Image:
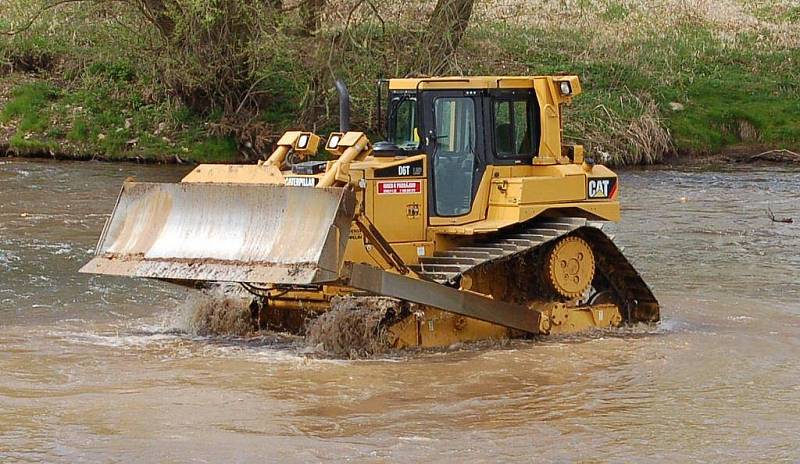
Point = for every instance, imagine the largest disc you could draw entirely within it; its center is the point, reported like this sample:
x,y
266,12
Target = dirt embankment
x,y
739,154
7,129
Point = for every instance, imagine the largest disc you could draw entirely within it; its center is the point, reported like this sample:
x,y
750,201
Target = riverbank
x,y
42,116
689,80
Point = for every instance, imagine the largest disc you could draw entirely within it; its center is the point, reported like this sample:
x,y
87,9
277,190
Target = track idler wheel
x,y
570,267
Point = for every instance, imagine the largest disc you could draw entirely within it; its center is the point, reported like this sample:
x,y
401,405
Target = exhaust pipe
x,y
344,106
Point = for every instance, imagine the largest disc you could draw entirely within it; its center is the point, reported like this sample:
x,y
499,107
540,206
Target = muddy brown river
x,y
103,369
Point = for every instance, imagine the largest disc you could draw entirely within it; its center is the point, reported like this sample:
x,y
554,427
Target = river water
x,y
103,369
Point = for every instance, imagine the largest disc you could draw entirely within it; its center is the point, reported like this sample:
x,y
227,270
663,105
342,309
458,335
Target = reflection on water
x,y
102,369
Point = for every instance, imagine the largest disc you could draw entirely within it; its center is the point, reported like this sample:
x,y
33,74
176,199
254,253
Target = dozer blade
x,y
226,233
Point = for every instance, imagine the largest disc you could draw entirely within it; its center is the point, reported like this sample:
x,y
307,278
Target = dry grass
x,y
625,21
619,140
614,21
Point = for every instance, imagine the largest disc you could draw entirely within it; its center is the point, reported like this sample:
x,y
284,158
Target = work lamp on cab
x,y
566,88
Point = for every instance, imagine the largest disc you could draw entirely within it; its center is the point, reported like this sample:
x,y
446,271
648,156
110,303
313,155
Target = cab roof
x,y
473,82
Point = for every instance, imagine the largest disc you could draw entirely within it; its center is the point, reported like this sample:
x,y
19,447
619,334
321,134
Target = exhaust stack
x,y
344,106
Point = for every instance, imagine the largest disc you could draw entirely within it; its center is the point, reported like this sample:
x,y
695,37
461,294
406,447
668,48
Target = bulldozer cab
x,y
463,131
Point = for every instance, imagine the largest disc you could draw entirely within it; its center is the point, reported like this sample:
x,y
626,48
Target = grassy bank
x,y
660,77
103,120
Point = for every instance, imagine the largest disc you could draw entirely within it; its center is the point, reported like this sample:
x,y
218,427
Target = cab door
x,y
455,144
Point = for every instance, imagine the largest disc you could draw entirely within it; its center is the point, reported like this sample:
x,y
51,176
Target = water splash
x,y
354,327
220,311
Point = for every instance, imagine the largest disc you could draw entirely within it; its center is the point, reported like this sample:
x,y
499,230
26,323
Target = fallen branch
x,y
777,155
785,220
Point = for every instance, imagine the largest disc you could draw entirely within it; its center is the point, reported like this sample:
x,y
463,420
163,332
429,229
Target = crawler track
x,y
520,249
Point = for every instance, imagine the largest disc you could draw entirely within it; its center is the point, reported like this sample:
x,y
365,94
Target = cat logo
x,y
602,188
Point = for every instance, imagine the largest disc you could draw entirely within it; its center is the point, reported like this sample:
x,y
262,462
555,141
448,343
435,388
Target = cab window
x,y
513,128
403,123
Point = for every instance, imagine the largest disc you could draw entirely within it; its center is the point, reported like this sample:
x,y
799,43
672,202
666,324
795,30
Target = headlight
x,y
302,142
333,142
566,88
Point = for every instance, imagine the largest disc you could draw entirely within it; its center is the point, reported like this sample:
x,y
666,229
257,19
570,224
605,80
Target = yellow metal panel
x,y
234,174
399,216
550,140
357,252
350,139
557,170
600,171
289,138
411,251
371,164
607,210
400,208
434,328
553,189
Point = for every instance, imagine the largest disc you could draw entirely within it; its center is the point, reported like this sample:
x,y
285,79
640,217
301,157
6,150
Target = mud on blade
x,y
226,232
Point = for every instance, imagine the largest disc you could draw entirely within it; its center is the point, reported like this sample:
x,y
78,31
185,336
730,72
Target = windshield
x,y
403,123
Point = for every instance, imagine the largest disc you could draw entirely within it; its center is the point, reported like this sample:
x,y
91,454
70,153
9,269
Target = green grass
x,y
107,117
29,104
212,150
716,105
615,12
32,146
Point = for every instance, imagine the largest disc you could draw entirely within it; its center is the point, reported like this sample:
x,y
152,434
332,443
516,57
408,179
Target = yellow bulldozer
x,y
473,220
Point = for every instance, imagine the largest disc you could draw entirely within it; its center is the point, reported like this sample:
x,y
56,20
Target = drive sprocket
x,y
570,267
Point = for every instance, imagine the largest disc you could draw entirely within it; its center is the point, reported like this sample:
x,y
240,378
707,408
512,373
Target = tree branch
x,y
37,15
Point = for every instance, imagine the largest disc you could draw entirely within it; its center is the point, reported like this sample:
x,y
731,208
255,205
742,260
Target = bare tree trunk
x,y
446,27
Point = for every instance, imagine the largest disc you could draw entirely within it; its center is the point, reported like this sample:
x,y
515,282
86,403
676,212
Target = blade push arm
x,y
351,146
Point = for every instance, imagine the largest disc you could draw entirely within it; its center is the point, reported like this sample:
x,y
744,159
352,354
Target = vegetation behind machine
x,y
692,77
